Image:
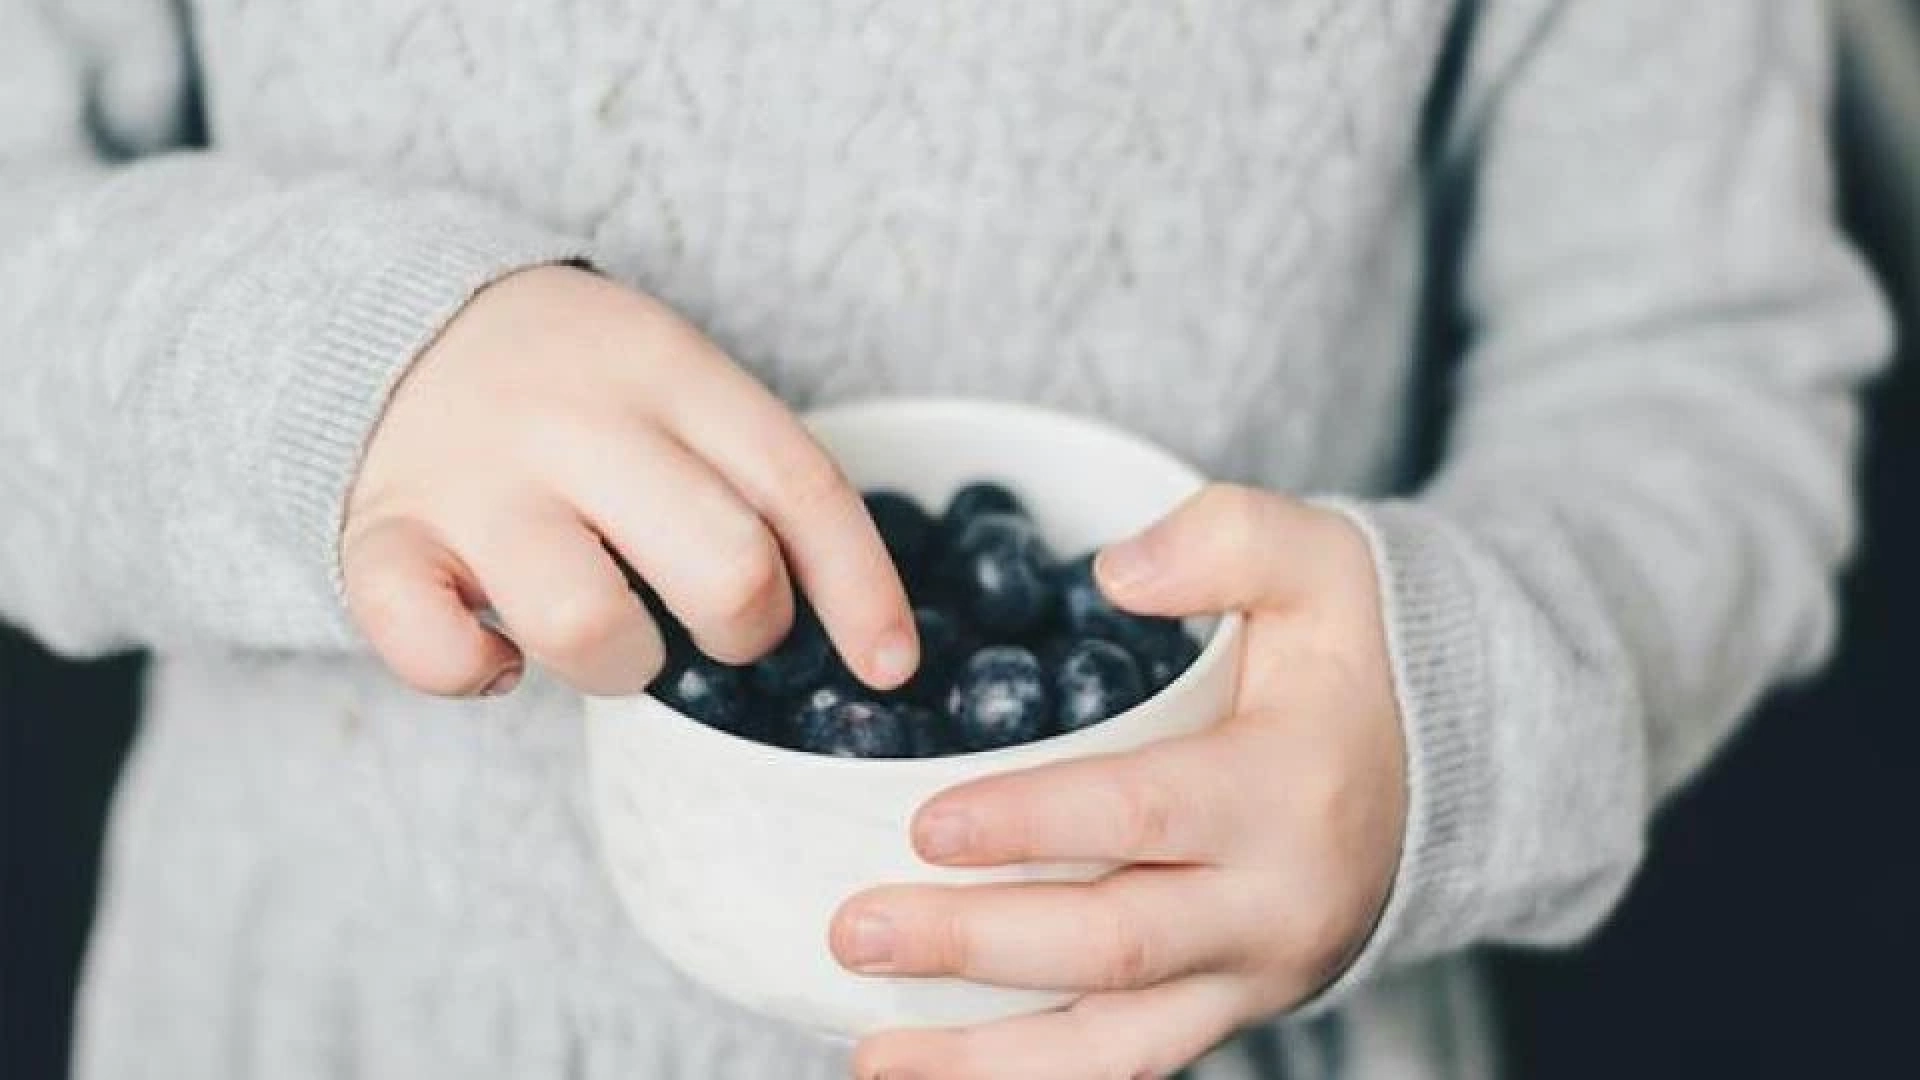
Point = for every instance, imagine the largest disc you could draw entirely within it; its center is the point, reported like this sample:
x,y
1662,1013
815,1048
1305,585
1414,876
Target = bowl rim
x,y
1026,411
1223,637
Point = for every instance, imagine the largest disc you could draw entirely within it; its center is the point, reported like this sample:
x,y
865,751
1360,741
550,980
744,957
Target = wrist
x,y
1431,634
419,261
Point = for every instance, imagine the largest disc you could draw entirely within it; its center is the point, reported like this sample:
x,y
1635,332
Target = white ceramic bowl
x,y
731,855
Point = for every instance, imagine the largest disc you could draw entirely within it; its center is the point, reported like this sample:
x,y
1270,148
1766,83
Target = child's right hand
x,y
559,409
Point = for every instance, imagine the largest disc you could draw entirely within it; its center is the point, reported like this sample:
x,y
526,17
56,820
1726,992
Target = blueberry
x,y
805,659
710,692
999,575
853,728
1095,680
999,699
826,696
981,497
929,733
1164,649
945,643
1052,648
806,710
907,530
1136,632
1081,600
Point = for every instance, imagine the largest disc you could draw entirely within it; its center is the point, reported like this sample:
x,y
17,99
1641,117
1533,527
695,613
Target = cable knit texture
x,y
228,225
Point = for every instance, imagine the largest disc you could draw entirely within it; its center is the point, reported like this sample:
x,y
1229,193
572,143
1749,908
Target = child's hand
x,y
559,410
1262,850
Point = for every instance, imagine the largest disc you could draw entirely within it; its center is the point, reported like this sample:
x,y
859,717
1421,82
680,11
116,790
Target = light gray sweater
x,y
1239,227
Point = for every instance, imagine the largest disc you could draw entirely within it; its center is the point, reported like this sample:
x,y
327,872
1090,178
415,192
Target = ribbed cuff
x,y
1435,641
440,251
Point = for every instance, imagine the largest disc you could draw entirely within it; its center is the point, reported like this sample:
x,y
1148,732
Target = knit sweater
x,y
1248,229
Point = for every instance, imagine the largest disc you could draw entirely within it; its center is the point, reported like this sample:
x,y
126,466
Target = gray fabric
x,y
1205,222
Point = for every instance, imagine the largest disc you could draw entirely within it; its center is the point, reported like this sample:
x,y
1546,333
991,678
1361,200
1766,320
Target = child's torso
x,y
1196,219
1201,220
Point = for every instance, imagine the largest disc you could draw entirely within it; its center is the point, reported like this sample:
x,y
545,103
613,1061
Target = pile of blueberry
x,y
1015,646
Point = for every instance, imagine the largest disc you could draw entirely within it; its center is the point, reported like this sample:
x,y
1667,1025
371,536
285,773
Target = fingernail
x,y
503,683
870,941
943,834
895,659
1126,563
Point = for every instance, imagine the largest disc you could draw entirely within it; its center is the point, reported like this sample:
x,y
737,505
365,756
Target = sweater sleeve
x,y
1646,494
192,351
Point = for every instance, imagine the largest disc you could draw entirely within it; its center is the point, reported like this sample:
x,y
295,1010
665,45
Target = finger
x,y
564,601
830,542
1171,802
1132,929
685,531
406,592
1228,548
1142,1033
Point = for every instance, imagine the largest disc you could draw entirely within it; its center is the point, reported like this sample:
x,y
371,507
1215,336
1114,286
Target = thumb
x,y
1227,548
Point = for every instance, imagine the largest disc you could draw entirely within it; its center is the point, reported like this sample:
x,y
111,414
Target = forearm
x,y
1647,493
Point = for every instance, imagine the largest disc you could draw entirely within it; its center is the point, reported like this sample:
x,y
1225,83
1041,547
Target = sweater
x,y
1595,240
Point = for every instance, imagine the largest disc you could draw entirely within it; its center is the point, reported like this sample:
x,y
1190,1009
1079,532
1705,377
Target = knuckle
x,y
810,481
1233,514
1148,811
750,578
1128,953
573,624
950,943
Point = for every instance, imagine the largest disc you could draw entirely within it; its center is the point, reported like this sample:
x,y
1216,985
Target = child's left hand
x,y
1260,851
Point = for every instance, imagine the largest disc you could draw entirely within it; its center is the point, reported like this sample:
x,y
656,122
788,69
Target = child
x,y
455,293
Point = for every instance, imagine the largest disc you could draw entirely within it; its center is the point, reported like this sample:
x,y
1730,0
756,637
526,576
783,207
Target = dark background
x,y
1772,932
